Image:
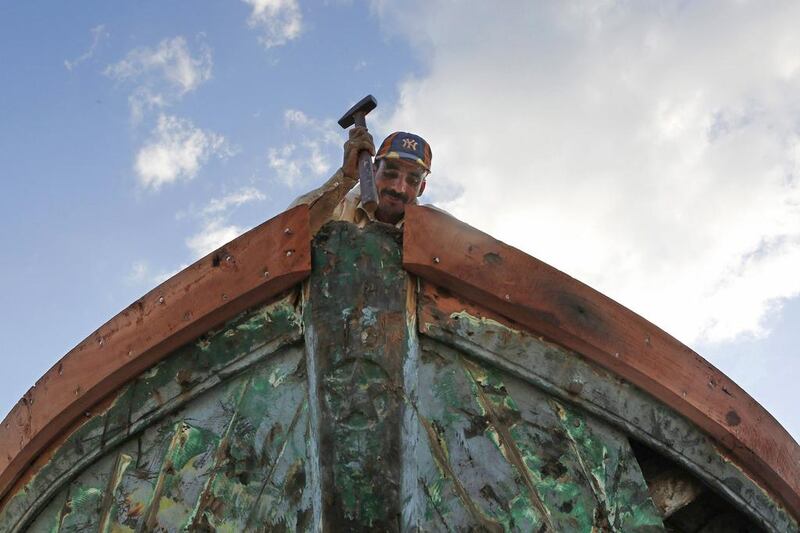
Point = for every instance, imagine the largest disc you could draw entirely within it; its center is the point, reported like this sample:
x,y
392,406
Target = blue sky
x,y
651,150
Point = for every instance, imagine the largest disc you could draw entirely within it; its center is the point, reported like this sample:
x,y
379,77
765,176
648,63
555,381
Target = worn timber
x,y
548,302
387,383
356,336
568,377
222,416
250,269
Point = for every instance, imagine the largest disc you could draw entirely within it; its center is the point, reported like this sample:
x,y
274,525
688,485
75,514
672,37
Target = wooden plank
x,y
185,464
252,268
195,370
259,475
356,340
470,263
505,456
232,459
566,376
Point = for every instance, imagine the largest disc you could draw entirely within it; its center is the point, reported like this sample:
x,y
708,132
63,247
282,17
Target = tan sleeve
x,y
323,200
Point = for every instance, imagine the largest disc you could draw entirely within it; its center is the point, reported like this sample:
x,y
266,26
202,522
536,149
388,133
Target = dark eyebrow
x,y
391,166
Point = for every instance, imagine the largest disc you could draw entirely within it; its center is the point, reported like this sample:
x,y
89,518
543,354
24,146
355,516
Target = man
x,y
401,166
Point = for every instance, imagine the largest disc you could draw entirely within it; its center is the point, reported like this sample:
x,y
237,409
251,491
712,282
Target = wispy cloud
x,y
234,199
640,147
215,229
214,233
278,21
171,60
141,273
310,154
176,151
286,164
98,34
162,74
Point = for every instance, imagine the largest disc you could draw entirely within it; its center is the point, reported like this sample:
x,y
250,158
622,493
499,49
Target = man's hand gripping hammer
x,y
356,116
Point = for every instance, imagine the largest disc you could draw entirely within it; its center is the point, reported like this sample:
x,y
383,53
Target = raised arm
x,y
323,200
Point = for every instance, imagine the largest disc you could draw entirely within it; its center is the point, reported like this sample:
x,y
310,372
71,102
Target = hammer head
x,y
358,111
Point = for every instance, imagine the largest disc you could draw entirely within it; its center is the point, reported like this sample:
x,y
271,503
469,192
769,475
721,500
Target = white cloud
x,y
139,272
215,233
285,164
644,148
163,276
176,150
234,199
142,274
279,21
295,117
215,229
162,74
98,34
170,60
309,156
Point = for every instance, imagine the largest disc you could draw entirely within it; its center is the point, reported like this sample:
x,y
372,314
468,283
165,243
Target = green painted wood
x,y
199,385
568,378
259,477
356,335
521,462
231,460
350,419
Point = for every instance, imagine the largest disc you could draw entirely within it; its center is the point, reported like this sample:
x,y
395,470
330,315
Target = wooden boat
x,y
424,379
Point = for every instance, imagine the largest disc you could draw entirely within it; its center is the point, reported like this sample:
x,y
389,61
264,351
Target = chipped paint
x,y
244,465
590,391
356,312
396,415
108,507
141,423
500,451
412,498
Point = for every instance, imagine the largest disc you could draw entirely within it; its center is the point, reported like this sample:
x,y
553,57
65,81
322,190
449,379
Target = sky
x,y
650,149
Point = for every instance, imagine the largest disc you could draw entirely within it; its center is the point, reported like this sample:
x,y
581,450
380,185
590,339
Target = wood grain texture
x,y
569,378
252,268
196,369
504,456
232,459
449,253
356,331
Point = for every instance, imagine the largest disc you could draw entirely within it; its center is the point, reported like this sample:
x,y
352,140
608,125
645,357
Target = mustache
x,y
396,195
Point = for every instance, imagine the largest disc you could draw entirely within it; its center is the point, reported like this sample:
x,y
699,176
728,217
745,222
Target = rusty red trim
x,y
252,268
453,255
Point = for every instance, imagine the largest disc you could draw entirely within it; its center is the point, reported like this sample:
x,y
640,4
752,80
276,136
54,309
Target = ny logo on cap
x,y
410,144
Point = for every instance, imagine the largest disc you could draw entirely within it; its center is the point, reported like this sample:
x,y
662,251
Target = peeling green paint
x,y
109,509
196,388
243,465
516,467
355,316
369,426
610,402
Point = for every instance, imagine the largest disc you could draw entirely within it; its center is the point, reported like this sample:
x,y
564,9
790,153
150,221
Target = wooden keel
x,y
356,335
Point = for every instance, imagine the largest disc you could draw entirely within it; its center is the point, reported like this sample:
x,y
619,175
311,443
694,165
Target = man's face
x,y
399,183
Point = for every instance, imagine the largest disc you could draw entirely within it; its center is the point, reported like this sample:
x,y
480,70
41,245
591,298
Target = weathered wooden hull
x,y
369,399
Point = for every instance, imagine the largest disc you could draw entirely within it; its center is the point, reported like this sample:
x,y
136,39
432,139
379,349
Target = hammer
x,y
355,116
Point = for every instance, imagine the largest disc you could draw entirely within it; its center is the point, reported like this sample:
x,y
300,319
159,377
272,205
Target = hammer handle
x,y
366,177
